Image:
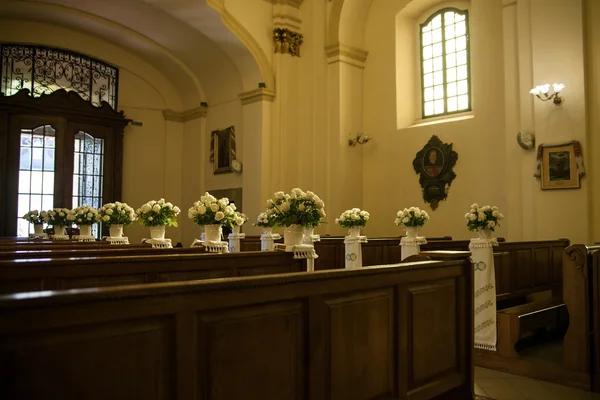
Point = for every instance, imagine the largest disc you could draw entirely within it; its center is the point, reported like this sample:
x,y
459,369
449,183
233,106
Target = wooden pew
x,y
390,332
22,275
103,251
581,294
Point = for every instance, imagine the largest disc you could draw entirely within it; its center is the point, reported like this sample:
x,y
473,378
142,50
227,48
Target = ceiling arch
x,y
196,64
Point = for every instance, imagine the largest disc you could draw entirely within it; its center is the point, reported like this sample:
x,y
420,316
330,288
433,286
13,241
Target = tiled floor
x,y
503,386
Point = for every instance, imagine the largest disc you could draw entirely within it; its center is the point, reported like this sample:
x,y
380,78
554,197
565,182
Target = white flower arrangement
x,y
239,219
412,216
297,208
265,220
35,217
60,217
485,217
85,215
353,217
116,213
158,213
210,211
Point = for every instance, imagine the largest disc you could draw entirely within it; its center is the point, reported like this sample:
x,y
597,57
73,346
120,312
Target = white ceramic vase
x,y
157,232
293,235
85,230
236,229
412,232
116,230
38,229
354,231
213,233
59,230
484,233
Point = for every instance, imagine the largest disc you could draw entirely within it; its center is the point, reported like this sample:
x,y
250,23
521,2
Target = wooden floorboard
x,y
541,370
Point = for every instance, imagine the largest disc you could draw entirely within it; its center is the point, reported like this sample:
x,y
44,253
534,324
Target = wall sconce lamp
x,y
542,92
359,139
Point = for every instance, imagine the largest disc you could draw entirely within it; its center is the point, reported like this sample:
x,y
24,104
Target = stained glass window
x,y
44,70
36,173
445,63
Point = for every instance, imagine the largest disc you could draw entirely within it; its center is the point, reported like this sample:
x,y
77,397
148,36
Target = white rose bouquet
x,y
60,217
239,219
353,217
35,217
116,213
85,215
265,220
412,216
158,213
210,211
297,208
485,217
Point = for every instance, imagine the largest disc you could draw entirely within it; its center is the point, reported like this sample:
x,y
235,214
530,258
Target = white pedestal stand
x,y
116,240
353,254
234,239
301,252
38,236
159,243
411,246
310,237
485,293
84,238
59,237
267,239
212,246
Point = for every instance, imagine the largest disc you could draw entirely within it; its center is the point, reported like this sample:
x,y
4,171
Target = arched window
x,y
445,69
61,149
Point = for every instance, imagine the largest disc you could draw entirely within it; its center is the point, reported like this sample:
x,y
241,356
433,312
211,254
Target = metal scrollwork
x,y
44,70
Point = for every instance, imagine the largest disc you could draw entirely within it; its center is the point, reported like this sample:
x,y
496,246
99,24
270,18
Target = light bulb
x,y
535,90
558,87
545,88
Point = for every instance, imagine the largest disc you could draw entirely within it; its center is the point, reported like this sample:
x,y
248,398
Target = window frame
x,y
441,12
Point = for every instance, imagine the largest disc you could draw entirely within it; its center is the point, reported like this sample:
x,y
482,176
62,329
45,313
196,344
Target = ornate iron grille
x,y
44,70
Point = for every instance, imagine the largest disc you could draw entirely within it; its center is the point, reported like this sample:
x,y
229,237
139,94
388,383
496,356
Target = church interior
x,y
413,111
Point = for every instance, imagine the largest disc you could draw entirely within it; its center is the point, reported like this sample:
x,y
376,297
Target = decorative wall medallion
x,y
434,163
286,41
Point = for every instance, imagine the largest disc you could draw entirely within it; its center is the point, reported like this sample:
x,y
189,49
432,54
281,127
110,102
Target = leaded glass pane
x,y
444,42
36,173
88,172
44,70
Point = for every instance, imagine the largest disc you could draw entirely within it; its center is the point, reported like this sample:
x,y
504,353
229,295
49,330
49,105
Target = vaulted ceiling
x,y
185,39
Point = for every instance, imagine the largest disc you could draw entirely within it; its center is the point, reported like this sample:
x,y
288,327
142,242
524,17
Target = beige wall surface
x,y
359,72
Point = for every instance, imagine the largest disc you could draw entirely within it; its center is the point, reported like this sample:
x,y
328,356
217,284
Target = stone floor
x,y
503,386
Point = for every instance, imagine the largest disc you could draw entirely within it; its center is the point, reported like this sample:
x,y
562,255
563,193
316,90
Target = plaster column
x,y
258,166
345,95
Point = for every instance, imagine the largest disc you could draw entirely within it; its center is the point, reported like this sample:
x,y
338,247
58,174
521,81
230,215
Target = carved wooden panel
x,y
542,266
522,269
502,272
101,281
432,339
192,275
253,271
94,362
373,255
361,335
241,347
329,256
22,285
557,266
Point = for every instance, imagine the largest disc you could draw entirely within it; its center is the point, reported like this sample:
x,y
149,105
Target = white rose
x,y
228,210
214,207
495,213
109,211
239,221
146,208
319,204
467,216
342,218
366,217
302,207
219,216
472,217
105,218
201,210
321,212
405,220
150,218
285,206
480,216
418,214
156,208
491,224
224,202
176,209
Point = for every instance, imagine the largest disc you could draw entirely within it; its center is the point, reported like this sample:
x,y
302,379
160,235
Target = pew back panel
x,y
380,332
84,272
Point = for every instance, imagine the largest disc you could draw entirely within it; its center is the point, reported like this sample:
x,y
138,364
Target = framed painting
x,y
434,164
560,165
222,150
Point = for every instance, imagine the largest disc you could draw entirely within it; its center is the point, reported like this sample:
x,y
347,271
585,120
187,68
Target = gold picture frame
x,y
222,150
561,166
